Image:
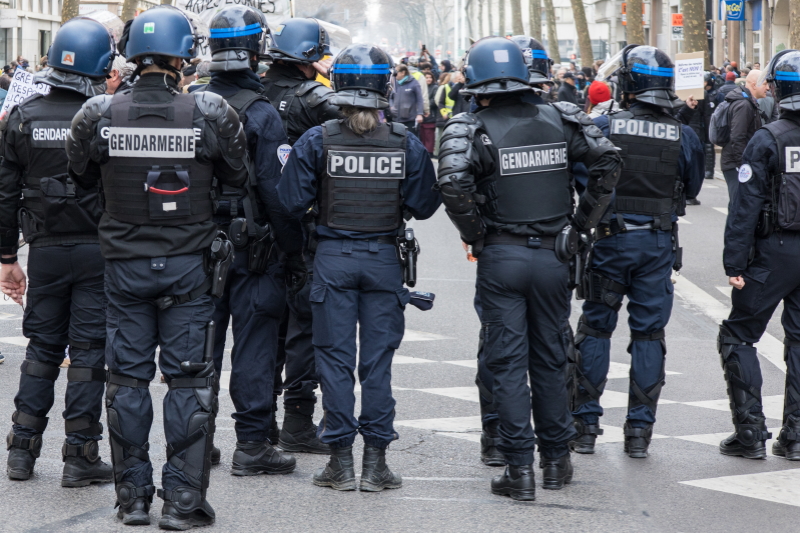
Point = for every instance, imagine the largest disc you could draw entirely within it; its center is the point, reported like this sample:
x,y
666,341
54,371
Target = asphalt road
x,y
685,484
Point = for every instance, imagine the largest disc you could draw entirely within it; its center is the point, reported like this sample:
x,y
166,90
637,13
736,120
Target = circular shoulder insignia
x,y
711,105
283,153
745,173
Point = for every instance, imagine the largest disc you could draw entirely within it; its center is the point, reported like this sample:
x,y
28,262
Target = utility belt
x,y
565,245
259,241
617,225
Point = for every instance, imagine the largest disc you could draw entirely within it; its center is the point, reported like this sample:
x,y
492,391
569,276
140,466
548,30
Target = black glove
x,y
297,273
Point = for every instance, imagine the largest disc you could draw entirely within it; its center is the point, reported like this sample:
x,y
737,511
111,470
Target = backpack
x,y
719,131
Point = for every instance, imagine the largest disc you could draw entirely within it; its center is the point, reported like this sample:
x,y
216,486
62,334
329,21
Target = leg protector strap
x,y
89,449
83,426
36,423
190,470
86,373
127,493
584,331
39,370
602,289
658,335
645,433
33,444
791,401
125,381
94,345
190,383
186,500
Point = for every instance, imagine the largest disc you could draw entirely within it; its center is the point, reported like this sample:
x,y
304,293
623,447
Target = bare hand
x,y
419,119
736,282
691,102
323,66
13,282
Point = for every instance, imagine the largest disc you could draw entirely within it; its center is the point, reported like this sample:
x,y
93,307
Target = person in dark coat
x,y
567,91
427,130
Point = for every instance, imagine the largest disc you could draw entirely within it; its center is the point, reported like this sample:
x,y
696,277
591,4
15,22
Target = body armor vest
x,y
650,146
361,189
55,210
153,177
531,182
289,95
786,182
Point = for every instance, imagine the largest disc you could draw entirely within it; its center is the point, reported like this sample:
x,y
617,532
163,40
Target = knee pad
x,y
658,335
584,331
120,446
602,289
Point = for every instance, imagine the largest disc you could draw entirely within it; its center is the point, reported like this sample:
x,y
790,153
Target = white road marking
x,y
683,220
16,341
460,393
407,360
444,478
468,363
461,424
622,370
782,486
773,405
725,290
413,335
713,439
614,434
723,210
472,437
710,187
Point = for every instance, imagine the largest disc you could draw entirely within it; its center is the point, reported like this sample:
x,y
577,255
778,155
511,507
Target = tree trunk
x,y
489,9
166,2
69,9
694,27
634,31
582,28
552,38
535,15
516,17
128,10
794,25
502,17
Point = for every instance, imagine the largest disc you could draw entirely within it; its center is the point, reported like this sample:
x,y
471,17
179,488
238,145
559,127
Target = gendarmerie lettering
x,y
534,158
148,142
645,128
387,165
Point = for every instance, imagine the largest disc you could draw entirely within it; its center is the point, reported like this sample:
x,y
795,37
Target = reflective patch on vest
x,y
151,142
645,128
535,158
380,165
49,133
792,159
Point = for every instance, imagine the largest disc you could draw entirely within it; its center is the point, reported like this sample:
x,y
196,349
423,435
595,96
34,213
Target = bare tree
x,y
634,31
582,29
129,9
694,27
166,2
552,38
535,18
794,24
516,17
69,9
502,16
490,9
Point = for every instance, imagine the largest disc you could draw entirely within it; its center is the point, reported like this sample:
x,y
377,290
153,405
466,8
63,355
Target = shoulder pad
x,y
211,105
463,125
318,95
566,108
455,148
399,128
464,118
308,86
332,127
92,111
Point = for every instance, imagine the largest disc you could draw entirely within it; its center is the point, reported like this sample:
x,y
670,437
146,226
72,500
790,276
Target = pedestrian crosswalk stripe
x,y
713,439
457,424
16,341
773,405
413,336
723,210
782,486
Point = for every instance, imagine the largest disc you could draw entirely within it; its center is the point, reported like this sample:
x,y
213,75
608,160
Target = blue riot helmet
x,y
360,76
495,65
164,31
783,76
535,57
236,33
299,41
82,46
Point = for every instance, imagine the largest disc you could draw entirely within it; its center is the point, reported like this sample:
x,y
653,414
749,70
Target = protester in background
x,y
567,91
5,83
407,102
444,106
427,132
118,80
600,101
189,76
728,86
447,66
460,104
203,76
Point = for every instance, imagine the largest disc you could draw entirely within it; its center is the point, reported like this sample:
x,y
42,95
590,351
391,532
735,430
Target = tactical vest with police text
x,y
650,146
153,177
531,182
786,183
361,189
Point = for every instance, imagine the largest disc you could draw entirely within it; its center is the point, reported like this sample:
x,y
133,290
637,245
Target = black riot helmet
x,y
301,40
495,65
535,57
644,71
709,78
360,76
236,33
783,76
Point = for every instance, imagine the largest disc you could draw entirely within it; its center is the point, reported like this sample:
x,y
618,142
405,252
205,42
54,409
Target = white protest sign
x,y
21,87
204,10
689,74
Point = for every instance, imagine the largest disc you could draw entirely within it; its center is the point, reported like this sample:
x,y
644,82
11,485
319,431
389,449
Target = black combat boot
x,y
339,473
83,466
184,508
587,435
375,474
252,458
637,440
490,455
22,454
518,482
134,503
556,472
748,441
788,443
299,435
274,430
216,455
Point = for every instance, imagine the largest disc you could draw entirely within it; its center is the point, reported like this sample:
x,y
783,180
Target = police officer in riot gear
x,y
762,237
298,47
59,219
157,152
636,245
365,177
256,291
504,177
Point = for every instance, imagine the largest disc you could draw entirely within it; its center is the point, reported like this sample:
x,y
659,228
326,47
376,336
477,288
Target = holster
x,y
408,250
676,247
221,257
260,249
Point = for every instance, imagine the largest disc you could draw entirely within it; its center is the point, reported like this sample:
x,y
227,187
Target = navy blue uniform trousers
x,y
66,302
357,283
254,303
135,327
525,298
301,369
641,260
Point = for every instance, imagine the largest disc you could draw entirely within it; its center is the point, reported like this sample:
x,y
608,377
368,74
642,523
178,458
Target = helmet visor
x,y
767,73
608,68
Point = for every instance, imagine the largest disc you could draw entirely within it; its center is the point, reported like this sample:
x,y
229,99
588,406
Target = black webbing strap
x,y
36,423
83,426
180,464
86,373
132,449
743,411
51,347
650,398
167,301
190,383
793,396
733,341
39,370
125,381
591,332
97,345
655,336
645,433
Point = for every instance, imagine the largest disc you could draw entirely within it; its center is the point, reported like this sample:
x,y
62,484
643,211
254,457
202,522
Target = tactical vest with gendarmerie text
x,y
786,183
531,182
153,177
362,187
650,146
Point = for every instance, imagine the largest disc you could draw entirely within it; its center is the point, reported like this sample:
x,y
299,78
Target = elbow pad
x,y
455,149
591,210
82,131
225,125
609,180
460,207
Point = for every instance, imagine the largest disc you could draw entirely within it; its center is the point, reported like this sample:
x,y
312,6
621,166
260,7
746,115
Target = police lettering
x,y
645,128
792,159
386,165
535,158
151,142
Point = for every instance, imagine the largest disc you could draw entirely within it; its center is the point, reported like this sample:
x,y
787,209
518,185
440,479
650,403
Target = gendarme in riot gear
x,y
539,64
58,218
156,151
